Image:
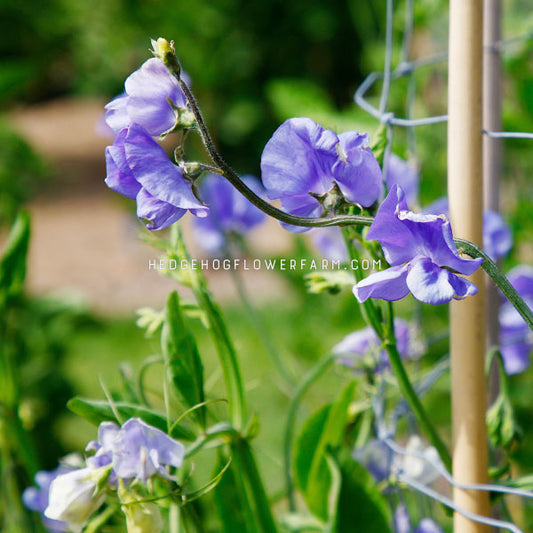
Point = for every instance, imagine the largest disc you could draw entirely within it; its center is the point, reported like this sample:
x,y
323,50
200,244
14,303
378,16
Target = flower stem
x,y
245,460
490,267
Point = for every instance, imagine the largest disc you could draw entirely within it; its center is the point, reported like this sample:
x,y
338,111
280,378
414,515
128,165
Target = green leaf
x,y
227,500
182,359
13,261
361,506
97,411
322,431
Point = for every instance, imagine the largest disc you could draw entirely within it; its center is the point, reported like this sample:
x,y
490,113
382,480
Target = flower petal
x,y
298,159
158,213
151,167
149,88
429,283
357,171
389,284
398,242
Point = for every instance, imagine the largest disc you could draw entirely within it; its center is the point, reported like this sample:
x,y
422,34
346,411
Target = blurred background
x,y
252,65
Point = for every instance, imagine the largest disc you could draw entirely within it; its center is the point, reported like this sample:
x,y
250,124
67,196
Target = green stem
x,y
306,382
226,351
414,403
490,267
243,456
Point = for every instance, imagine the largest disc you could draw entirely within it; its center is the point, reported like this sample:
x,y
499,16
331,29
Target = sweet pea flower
x,y
423,257
73,498
330,243
229,211
405,175
150,98
143,517
415,467
137,450
402,523
497,236
37,498
376,457
309,169
365,343
137,167
516,339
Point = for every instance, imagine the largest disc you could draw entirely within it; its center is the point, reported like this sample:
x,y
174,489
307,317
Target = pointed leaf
x,y
97,411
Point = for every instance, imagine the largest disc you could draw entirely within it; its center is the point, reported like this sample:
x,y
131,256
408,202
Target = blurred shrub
x,y
21,170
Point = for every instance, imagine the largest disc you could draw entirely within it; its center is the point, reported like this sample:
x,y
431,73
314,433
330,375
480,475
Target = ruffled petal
x,y
429,283
357,171
399,243
298,158
149,88
151,167
158,213
389,284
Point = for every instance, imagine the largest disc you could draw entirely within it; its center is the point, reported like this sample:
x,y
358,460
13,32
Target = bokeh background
x,y
252,65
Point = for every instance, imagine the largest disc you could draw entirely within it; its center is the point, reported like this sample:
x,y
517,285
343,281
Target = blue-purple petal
x,y
429,283
357,171
157,213
389,284
298,159
116,113
151,167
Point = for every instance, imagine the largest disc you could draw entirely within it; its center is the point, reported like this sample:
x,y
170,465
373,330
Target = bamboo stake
x,y
467,318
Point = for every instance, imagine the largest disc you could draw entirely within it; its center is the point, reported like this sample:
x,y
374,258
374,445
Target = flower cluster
x,y
137,166
422,253
312,170
68,496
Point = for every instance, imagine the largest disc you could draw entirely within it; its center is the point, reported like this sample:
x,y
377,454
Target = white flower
x,y
415,467
73,498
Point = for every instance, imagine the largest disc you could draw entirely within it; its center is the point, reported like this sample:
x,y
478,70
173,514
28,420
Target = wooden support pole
x,y
467,318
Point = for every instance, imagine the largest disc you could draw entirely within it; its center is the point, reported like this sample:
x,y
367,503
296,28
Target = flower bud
x,y
73,498
143,518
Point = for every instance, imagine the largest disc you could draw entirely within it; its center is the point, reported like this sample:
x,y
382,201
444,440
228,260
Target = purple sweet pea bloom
x,y
402,522
37,498
497,236
137,167
146,100
516,339
303,161
330,243
403,174
422,255
376,457
365,342
229,211
137,450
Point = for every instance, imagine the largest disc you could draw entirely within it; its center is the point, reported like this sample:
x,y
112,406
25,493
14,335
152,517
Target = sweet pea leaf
x,y
227,501
182,359
97,411
323,430
361,506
